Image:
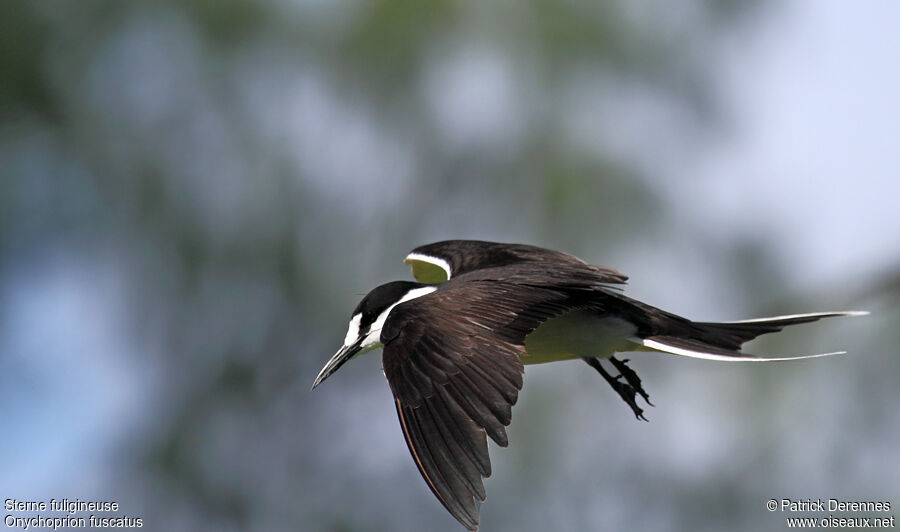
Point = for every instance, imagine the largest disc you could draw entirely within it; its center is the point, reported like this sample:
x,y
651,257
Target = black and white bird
x,y
456,341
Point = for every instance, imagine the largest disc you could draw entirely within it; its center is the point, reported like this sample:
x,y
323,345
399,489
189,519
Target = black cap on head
x,y
381,298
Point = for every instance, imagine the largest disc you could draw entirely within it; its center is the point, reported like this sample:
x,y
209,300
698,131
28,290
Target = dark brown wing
x,y
452,361
467,256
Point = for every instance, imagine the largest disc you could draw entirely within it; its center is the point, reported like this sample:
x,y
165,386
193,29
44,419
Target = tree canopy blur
x,y
194,195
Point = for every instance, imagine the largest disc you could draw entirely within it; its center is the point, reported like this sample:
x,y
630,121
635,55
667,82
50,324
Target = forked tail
x,y
722,341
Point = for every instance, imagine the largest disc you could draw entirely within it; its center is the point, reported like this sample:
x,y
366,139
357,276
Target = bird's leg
x,y
631,377
625,390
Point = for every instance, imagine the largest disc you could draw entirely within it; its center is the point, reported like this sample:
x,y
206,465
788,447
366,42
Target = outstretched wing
x,y
440,261
452,361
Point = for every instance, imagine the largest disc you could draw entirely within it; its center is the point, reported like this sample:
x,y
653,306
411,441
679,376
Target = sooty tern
x,y
455,344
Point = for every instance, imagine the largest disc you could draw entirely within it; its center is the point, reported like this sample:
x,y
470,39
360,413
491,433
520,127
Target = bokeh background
x,y
194,195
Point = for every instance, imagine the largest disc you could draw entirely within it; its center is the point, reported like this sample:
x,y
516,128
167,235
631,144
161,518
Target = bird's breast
x,y
579,333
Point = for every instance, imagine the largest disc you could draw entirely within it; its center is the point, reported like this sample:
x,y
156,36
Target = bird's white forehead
x,y
353,329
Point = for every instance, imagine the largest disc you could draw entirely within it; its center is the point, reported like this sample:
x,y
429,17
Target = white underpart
x,y
352,330
808,315
373,337
439,262
659,346
579,333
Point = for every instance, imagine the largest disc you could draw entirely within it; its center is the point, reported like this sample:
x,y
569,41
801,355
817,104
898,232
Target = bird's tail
x,y
722,341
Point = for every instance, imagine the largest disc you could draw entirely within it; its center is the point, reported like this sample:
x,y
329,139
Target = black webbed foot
x,y
627,390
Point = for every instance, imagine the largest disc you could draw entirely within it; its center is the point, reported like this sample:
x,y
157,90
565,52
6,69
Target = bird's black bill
x,y
343,355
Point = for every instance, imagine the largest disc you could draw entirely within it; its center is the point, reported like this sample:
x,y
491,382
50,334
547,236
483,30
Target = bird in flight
x,y
455,344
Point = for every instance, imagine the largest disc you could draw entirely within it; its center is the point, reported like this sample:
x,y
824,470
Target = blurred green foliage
x,y
244,170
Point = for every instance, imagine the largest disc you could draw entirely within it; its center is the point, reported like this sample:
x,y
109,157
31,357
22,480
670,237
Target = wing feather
x,y
449,259
452,361
452,450
475,443
419,432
